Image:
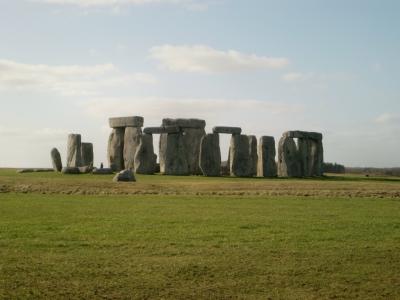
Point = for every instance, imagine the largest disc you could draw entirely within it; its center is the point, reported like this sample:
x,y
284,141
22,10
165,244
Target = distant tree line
x,y
375,171
334,168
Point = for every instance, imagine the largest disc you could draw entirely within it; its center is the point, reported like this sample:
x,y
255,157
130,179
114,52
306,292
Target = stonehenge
x,y
302,159
186,149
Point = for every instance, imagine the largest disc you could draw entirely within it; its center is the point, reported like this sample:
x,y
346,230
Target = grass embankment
x,y
183,242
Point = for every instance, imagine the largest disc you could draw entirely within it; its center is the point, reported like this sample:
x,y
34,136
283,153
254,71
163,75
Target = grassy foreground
x,y
180,242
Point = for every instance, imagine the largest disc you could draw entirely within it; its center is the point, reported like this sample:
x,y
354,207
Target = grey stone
x,y
56,160
227,130
210,155
87,154
85,169
225,171
266,166
192,140
70,170
134,121
161,130
103,171
125,176
74,158
240,159
173,159
303,135
253,154
145,158
21,171
36,170
132,139
288,158
116,149
185,123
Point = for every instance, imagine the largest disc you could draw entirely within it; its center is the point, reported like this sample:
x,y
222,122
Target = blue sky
x,y
267,66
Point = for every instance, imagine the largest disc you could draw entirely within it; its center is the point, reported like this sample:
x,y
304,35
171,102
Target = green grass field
x,y
198,238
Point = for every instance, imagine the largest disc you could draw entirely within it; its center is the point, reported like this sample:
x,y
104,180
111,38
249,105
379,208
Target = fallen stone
x,y
227,130
185,123
56,160
25,171
161,130
253,154
125,176
85,169
132,139
116,149
36,170
103,171
74,158
70,170
145,158
210,155
122,122
173,159
266,166
87,154
288,158
240,158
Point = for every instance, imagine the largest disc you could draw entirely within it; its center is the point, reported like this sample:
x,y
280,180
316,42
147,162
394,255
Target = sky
x,y
66,66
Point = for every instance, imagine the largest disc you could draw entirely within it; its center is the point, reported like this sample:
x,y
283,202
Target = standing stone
x,y
253,154
56,160
87,154
74,158
116,149
193,131
319,159
131,143
173,159
288,158
240,160
210,155
145,158
266,157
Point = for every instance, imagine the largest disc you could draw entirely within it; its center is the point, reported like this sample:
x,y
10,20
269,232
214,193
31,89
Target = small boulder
x,y
70,170
125,176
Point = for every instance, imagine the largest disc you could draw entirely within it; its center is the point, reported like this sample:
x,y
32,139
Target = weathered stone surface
x,y
103,171
70,170
132,139
192,140
227,130
288,158
161,130
210,155
311,157
253,154
116,149
266,166
296,134
125,176
121,122
225,171
87,154
74,158
85,169
145,158
185,123
173,159
240,160
56,160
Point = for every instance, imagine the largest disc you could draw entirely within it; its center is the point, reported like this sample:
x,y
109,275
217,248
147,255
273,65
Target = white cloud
x,y
66,80
204,59
293,77
387,118
191,4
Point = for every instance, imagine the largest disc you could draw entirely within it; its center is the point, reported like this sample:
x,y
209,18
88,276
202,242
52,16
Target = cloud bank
x,y
204,59
66,80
